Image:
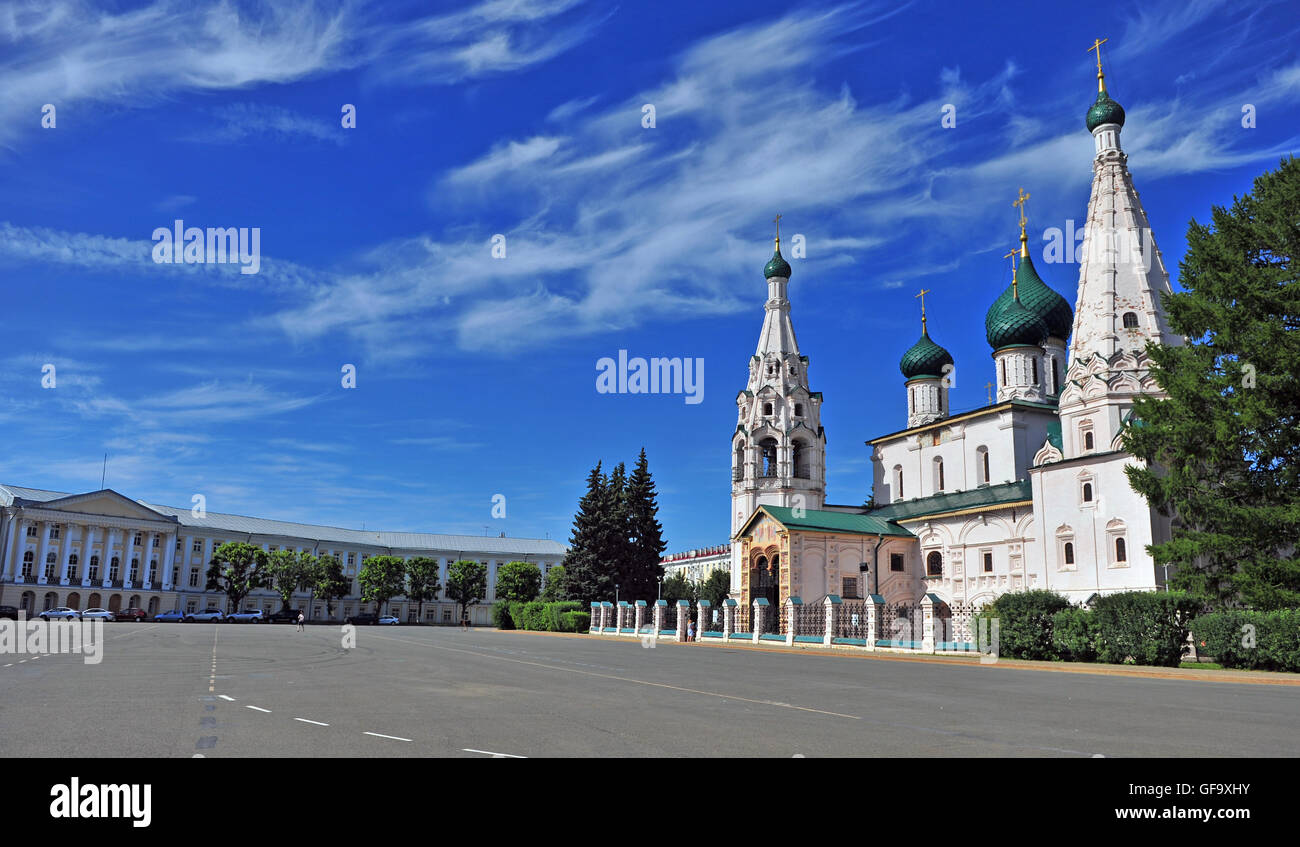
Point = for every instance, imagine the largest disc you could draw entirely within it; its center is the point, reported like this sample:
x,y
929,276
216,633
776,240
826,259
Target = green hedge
x,y
539,616
1024,623
1148,627
1274,643
1074,634
501,618
575,621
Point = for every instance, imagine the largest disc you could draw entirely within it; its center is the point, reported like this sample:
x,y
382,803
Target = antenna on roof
x,y
103,473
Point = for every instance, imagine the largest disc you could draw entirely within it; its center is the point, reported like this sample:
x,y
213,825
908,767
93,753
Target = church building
x,y
1028,492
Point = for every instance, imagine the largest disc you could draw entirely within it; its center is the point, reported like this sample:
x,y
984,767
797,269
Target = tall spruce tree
x,y
619,527
644,534
1223,451
589,572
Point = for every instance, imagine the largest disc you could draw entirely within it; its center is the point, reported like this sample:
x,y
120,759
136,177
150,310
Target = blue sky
x,y
476,375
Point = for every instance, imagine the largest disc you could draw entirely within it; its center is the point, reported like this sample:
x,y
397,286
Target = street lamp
x,y
660,596
616,594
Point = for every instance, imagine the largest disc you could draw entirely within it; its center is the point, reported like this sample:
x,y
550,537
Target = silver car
x,y
101,614
59,612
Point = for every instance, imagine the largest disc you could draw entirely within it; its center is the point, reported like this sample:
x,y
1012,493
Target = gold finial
x,y
988,386
1013,253
1101,77
1024,241
777,221
924,291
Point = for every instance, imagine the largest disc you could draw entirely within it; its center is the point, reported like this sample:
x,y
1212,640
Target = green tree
x,y
237,568
466,584
329,582
641,566
553,590
288,571
381,578
716,587
1222,452
678,587
421,582
519,581
589,569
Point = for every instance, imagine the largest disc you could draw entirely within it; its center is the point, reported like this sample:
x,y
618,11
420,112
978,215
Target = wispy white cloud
x,y
242,121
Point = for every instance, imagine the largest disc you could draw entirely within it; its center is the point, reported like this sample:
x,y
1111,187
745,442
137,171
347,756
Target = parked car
x,y
173,616
9,612
363,618
137,615
101,614
285,616
209,614
59,612
246,616
388,620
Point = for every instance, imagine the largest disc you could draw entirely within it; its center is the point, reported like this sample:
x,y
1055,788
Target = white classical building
x,y
1026,492
697,565
102,549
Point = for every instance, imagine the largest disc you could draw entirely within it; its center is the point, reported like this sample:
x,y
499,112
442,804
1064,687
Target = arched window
x,y
28,560
1121,554
938,474
93,572
135,570
982,456
1056,376
898,482
1130,320
767,408
800,457
1004,372
1069,553
1033,361
798,410
113,568
934,564
1087,440
1087,492
768,448
738,471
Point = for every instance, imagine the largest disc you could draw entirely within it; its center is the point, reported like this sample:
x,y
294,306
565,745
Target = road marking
x,y
380,735
198,756
318,723
226,697
34,658
10,665
259,708
22,661
493,755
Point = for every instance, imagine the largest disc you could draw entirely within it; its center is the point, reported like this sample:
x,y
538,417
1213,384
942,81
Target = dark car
x,y
364,618
136,615
285,616
9,612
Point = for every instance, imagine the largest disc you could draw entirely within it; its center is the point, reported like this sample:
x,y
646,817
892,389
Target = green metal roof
x,y
924,359
1013,325
819,521
1054,434
1036,296
1104,111
938,504
777,265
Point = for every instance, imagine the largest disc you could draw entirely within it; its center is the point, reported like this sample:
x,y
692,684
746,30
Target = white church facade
x,y
1027,492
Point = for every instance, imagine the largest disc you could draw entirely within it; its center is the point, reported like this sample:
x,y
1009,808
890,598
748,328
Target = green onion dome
x,y
924,359
1038,297
1104,111
777,265
1011,324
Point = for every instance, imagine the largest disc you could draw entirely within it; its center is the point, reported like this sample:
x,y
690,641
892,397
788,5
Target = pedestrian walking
x,y
690,631
301,618
464,623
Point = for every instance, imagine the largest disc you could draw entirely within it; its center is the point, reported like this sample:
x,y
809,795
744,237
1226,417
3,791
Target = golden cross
x,y
1011,253
1020,202
1096,45
777,221
988,386
924,291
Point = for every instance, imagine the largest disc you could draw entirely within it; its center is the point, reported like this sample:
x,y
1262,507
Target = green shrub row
x,y
1145,627
563,616
1251,640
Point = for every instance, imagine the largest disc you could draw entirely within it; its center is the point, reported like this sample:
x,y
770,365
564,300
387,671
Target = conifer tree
x,y
644,534
1222,452
589,573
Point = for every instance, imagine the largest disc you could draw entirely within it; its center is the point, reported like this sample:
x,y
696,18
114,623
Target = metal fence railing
x,y
850,621
670,618
810,621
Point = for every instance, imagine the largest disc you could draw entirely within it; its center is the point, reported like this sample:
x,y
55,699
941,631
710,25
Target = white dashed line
x,y
10,665
318,723
225,697
259,708
380,735
493,755
22,661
